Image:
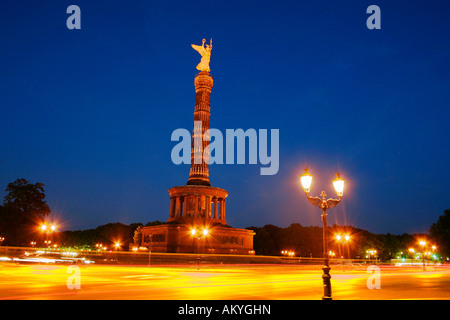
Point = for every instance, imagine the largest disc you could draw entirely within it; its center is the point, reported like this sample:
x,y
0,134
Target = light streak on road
x,y
252,282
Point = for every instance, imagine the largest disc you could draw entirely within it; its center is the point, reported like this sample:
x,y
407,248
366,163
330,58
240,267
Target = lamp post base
x,y
326,283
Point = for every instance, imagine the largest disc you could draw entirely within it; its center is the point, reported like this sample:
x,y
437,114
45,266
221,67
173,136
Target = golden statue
x,y
205,52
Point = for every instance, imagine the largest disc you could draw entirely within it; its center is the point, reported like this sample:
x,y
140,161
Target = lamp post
x,y
324,204
1,241
423,244
412,254
347,241
150,251
117,245
372,253
339,239
47,229
196,234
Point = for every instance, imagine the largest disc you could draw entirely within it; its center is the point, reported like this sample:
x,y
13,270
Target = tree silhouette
x,y
24,207
440,233
27,199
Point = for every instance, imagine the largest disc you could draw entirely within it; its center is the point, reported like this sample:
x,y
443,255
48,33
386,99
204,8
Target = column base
x,y
198,182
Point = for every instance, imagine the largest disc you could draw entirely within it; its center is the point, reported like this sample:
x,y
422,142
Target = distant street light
x,y
371,253
196,234
345,239
47,229
324,204
424,244
288,253
117,245
1,241
150,250
347,242
338,238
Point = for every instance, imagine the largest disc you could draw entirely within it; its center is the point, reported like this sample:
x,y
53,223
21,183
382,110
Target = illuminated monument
x,y
197,205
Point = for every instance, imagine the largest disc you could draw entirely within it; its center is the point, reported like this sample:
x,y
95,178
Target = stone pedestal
x,y
177,238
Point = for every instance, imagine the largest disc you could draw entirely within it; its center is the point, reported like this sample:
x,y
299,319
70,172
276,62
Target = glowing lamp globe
x,y
306,181
338,184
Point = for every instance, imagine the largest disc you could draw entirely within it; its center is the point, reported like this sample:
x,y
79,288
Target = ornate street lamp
x,y
324,204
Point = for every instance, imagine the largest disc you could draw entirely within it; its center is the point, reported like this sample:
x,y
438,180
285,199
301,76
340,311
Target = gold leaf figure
x,y
205,52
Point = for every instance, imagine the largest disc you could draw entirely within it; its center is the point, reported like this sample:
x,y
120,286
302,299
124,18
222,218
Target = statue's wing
x,y
199,49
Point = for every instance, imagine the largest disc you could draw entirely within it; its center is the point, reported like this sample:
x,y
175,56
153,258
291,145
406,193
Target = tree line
x,y
308,242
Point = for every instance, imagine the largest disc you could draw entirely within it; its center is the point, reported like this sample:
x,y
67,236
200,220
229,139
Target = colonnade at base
x,y
195,201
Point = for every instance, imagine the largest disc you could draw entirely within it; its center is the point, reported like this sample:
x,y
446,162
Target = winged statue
x,y
205,52
323,203
315,201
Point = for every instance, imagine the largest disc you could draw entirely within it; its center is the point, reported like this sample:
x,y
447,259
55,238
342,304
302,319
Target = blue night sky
x,y
90,112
